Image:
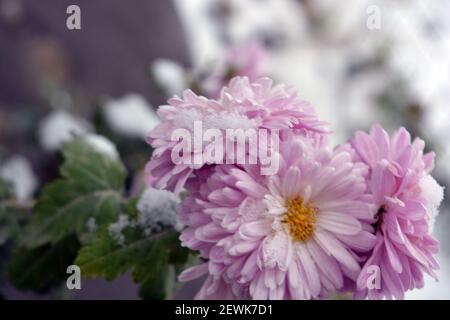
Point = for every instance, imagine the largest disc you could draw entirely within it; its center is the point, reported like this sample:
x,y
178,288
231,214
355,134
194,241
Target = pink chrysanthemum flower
x,y
293,235
407,198
243,105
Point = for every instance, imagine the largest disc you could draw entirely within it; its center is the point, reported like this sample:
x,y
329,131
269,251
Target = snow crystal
x,y
130,116
115,229
157,210
91,225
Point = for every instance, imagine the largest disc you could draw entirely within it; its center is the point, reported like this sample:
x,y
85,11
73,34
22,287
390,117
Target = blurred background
x,y
359,62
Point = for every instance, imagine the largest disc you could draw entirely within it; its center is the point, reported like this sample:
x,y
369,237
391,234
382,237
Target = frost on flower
x,y
315,227
157,210
243,104
292,235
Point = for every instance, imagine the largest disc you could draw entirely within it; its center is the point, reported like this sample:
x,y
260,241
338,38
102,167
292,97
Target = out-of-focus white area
x,y
437,289
359,62
59,127
102,145
413,36
169,75
18,172
130,116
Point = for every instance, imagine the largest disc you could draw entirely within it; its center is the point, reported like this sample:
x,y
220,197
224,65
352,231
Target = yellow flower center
x,y
300,218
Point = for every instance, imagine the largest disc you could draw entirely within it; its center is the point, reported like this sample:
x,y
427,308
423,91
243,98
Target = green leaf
x,y
5,190
91,186
104,257
154,274
44,267
12,219
153,260
148,258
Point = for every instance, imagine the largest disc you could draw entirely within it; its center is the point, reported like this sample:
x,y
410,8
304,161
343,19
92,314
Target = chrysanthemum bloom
x,y
292,235
243,105
407,198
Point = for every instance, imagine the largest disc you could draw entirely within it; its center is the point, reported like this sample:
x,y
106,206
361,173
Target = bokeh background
x,y
130,56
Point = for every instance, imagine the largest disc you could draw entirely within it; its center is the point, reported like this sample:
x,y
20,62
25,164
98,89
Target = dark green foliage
x,y
91,186
152,259
44,267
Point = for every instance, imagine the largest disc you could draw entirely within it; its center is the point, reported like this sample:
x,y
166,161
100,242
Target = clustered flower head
x,y
406,197
356,217
242,105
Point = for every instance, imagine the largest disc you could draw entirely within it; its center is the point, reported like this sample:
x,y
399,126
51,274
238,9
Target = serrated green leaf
x,y
12,219
148,258
105,257
154,274
83,164
153,260
91,186
44,267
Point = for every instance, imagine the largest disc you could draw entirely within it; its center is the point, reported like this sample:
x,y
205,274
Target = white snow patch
x,y
102,145
60,127
433,194
17,170
158,210
130,116
170,75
